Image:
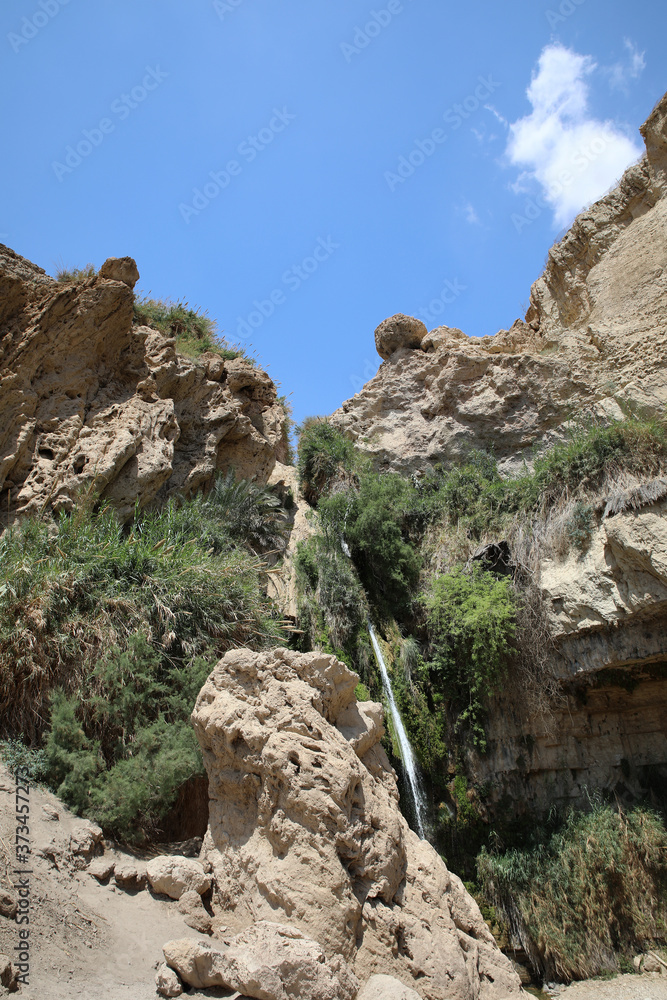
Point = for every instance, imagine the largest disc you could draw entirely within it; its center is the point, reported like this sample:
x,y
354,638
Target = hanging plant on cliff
x,y
471,619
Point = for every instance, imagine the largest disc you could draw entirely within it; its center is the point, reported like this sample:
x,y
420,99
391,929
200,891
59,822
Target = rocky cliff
x,y
594,338
87,399
593,341
305,829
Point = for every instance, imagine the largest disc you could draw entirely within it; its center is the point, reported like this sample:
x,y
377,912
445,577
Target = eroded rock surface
x,y
269,961
88,399
305,829
594,339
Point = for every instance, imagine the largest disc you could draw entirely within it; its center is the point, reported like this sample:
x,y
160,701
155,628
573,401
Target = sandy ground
x,y
87,940
649,986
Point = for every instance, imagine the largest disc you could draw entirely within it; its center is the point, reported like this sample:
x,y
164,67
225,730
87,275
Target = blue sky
x,y
302,169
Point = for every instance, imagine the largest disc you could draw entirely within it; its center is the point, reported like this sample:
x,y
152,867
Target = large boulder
x,y
398,332
269,961
305,828
173,875
120,269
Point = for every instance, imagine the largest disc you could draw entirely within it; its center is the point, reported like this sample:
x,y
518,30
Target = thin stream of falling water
x,y
407,755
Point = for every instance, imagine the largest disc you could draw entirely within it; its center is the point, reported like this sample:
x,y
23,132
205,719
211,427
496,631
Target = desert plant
x,y
324,456
74,587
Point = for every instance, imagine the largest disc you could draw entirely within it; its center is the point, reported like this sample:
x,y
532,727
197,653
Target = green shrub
x,y
27,760
595,450
194,331
579,525
595,890
471,619
324,456
118,751
327,577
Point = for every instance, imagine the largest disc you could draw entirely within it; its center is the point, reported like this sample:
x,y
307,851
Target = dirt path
x,y
87,940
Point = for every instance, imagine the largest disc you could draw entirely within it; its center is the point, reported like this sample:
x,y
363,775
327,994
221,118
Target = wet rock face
x,y
86,399
305,829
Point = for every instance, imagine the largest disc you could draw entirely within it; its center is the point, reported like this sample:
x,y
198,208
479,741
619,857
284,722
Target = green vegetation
x,y
325,457
333,605
471,619
72,275
370,516
595,890
114,627
194,331
120,748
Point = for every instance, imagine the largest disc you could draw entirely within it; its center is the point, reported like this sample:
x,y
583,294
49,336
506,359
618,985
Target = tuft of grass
x,y
195,332
72,275
591,894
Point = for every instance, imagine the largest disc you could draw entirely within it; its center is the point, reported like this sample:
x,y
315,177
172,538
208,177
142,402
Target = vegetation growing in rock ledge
x,y
195,332
108,631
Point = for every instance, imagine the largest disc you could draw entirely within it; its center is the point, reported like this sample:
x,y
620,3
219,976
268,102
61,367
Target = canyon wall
x,y
594,341
89,400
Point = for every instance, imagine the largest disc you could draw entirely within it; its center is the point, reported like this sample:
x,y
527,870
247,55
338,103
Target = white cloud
x,y
622,72
574,157
471,215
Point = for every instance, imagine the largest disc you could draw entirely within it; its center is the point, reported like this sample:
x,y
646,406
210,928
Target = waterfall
x,y
403,741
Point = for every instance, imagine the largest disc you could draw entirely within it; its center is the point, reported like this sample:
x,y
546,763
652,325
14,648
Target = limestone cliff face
x,y
305,830
86,399
594,338
606,728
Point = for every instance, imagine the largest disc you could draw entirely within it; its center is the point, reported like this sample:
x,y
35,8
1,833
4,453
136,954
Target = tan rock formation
x,y
397,333
282,586
607,607
386,988
268,961
594,339
86,399
305,828
173,875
